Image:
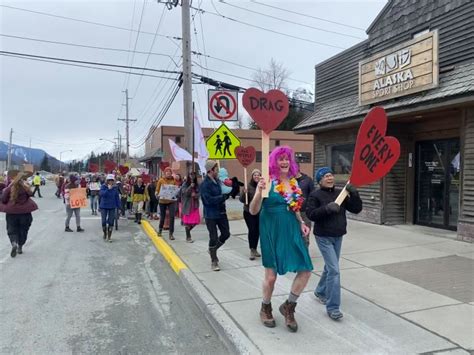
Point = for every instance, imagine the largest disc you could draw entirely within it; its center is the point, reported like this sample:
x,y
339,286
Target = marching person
x,y
329,228
94,188
16,202
252,221
190,202
215,213
109,203
306,185
72,184
165,204
151,187
37,184
59,181
282,232
139,197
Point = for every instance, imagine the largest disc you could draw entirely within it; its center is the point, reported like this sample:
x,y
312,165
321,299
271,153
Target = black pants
x,y
123,205
18,226
172,210
153,206
252,223
37,188
212,225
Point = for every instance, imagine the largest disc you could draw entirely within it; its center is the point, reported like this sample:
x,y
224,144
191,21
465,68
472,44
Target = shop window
x,y
303,157
340,158
258,157
277,143
177,139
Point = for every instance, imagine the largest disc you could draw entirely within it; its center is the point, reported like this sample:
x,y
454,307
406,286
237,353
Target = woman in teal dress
x,y
282,232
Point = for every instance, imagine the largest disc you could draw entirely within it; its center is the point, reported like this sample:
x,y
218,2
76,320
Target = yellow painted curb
x,y
176,263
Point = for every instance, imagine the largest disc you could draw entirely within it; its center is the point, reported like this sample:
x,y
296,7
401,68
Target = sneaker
x,y
189,240
215,266
160,233
335,315
20,249
14,249
68,229
252,255
320,298
79,229
171,237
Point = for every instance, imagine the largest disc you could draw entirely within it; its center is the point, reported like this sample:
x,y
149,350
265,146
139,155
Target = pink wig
x,y
273,161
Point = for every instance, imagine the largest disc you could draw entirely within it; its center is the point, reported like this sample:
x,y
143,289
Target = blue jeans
x,y
94,199
108,216
329,285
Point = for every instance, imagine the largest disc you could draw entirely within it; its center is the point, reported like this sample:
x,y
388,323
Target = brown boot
x,y
266,315
287,309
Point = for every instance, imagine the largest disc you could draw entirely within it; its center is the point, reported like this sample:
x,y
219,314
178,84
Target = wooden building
x,y
417,63
157,148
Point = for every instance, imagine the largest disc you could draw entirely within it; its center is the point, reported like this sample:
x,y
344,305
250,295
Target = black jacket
x,y
330,224
306,185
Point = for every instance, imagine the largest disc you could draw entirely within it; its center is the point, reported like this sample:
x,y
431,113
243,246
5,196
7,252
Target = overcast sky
x,y
64,107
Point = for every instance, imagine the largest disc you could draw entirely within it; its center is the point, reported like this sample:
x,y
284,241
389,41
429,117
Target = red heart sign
x,y
267,110
374,154
245,155
164,165
123,169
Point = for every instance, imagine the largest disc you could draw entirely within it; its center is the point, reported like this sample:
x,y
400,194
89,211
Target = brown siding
x,y
370,194
466,218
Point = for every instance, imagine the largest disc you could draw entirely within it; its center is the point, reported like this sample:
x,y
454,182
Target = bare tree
x,y
273,77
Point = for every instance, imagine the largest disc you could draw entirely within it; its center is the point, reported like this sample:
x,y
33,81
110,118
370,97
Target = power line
x,y
266,29
289,21
82,66
306,15
88,62
88,22
86,46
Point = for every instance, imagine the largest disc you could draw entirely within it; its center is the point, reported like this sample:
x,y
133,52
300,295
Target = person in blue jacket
x,y
109,202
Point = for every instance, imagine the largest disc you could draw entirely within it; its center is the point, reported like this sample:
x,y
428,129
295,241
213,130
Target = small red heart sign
x,y
123,169
164,165
245,155
374,154
268,110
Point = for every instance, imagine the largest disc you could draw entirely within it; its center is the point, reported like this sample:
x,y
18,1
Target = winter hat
x,y
321,172
168,168
255,171
110,177
72,178
210,164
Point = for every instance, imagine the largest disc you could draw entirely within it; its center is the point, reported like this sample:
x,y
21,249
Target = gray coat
x,y
188,202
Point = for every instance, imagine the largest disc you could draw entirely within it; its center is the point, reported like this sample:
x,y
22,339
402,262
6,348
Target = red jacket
x,y
24,203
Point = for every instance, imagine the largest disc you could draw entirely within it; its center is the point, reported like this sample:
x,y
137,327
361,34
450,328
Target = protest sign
x,y
169,192
78,198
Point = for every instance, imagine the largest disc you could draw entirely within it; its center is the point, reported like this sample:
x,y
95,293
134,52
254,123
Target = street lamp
x,y
60,158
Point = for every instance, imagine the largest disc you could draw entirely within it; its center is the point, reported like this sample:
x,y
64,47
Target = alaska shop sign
x,y
406,69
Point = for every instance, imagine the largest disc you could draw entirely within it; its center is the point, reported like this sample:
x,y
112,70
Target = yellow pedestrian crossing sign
x,y
222,143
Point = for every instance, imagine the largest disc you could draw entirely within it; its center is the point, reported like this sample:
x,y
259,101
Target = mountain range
x,y
21,154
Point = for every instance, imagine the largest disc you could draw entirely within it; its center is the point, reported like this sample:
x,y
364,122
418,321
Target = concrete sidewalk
x,y
406,290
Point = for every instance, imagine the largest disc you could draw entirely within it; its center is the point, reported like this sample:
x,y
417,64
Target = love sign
x,y
78,198
375,154
245,155
268,110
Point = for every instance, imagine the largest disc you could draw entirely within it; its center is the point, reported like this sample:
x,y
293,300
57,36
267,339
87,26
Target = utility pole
x,y
127,120
9,161
119,146
187,77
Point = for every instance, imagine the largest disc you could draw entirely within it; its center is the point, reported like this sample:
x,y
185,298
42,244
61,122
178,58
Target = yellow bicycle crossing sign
x,y
222,143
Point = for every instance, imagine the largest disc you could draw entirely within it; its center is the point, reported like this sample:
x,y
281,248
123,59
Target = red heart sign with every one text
x,y
245,155
374,154
268,110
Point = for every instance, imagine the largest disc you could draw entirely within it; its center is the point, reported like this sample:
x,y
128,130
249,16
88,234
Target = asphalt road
x,y
74,293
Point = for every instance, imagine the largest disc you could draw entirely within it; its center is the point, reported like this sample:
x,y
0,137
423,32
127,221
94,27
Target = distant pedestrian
x,y
281,235
214,211
329,228
59,181
94,188
165,203
109,203
69,210
190,201
37,184
252,221
139,197
16,202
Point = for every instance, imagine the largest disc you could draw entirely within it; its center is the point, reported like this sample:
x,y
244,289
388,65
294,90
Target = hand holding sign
x,y
374,154
245,156
268,110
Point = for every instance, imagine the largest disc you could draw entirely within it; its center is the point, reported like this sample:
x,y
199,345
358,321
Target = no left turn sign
x,y
222,105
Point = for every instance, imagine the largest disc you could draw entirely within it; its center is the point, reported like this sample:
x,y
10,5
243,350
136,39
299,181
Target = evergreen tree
x,y
45,164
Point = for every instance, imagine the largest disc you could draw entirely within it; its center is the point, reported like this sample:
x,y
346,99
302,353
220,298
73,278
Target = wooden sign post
x,y
245,156
268,110
375,154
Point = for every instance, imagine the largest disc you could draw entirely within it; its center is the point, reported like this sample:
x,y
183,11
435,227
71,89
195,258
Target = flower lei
x,y
294,198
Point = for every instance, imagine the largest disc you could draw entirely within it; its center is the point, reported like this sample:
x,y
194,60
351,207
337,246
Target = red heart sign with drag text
x,y
268,110
245,155
374,154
